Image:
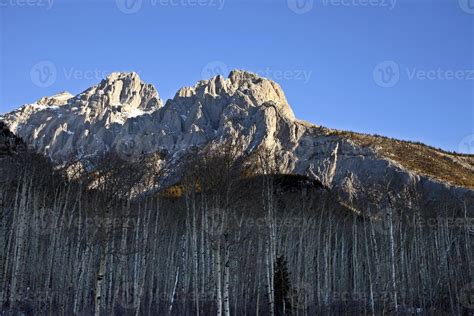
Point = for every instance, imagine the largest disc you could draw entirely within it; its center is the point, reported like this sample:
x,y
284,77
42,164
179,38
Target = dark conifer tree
x,y
282,286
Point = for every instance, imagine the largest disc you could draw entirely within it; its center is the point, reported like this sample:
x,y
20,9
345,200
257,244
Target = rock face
x,y
126,115
65,126
9,143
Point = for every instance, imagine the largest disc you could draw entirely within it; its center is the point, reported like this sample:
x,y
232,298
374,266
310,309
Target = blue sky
x,y
397,68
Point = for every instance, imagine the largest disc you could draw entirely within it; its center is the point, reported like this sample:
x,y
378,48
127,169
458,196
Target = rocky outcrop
x,y
64,127
9,143
126,115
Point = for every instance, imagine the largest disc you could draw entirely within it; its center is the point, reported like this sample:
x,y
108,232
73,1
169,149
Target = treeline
x,y
237,240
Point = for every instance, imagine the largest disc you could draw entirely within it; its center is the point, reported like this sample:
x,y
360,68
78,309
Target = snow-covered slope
x,y
126,115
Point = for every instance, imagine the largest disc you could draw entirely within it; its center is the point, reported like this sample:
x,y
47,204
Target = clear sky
x,y
400,68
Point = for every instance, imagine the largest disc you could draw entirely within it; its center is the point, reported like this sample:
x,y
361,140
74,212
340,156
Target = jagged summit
x,y
241,84
63,125
125,90
119,75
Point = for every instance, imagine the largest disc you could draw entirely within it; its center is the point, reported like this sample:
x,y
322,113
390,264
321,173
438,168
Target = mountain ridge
x,y
125,115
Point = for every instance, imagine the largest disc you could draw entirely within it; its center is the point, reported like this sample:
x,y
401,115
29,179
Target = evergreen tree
x,y
282,287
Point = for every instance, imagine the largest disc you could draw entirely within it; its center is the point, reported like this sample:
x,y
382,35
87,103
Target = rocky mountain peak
x,y
242,88
262,90
117,75
124,91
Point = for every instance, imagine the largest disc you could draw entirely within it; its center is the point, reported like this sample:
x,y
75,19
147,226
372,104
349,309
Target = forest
x,y
230,238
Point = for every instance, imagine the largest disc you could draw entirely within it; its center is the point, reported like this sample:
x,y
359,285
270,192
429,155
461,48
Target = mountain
x,y
125,115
